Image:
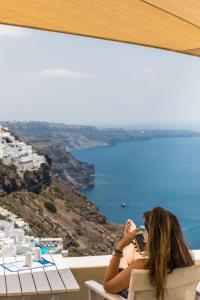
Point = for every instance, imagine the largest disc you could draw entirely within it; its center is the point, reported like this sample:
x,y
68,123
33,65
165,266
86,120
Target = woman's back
x,y
166,248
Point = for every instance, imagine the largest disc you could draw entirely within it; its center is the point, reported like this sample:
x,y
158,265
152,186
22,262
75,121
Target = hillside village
x,y
18,153
27,187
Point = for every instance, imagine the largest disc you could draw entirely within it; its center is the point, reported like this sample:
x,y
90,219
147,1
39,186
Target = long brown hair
x,y
166,248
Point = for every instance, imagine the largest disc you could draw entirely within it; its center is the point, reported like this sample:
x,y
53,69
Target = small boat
x,y
123,204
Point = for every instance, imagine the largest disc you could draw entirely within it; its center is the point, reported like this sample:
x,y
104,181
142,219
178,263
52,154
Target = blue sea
x,y
143,174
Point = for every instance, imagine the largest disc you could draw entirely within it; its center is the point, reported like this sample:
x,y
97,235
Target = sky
x,y
54,77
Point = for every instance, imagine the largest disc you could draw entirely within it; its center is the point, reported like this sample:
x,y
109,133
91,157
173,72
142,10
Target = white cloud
x,y
13,31
66,73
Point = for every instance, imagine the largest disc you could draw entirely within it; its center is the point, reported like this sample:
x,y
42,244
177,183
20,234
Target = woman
x,y
166,250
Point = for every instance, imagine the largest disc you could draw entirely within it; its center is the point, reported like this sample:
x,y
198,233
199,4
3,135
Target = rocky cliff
x,y
70,170
62,211
10,181
73,137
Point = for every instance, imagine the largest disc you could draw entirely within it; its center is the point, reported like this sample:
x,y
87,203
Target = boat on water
x,y
124,205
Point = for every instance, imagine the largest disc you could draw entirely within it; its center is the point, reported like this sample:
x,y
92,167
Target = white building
x,y
18,153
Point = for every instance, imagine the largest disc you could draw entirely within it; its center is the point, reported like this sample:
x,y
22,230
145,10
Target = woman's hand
x,y
143,253
127,239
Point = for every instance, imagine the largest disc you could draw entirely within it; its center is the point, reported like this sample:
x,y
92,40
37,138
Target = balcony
x,y
94,267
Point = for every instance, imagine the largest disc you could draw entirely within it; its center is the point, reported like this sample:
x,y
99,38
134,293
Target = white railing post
x,y
92,295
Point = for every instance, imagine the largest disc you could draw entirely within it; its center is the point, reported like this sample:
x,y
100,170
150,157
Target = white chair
x,y
181,285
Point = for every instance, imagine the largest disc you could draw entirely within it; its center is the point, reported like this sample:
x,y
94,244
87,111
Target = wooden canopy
x,y
167,24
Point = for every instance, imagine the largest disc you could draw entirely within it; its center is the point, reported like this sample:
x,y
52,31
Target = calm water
x,y
144,174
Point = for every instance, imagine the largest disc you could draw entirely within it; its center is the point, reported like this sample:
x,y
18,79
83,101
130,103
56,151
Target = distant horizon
x,y
125,126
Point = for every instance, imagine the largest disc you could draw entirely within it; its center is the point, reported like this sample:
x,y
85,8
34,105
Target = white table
x,y
38,283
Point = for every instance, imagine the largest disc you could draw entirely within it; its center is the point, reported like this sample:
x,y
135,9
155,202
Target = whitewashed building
x,y
18,153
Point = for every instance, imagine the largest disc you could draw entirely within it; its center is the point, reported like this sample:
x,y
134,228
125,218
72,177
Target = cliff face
x,y
72,171
61,211
79,137
73,137
34,181
10,181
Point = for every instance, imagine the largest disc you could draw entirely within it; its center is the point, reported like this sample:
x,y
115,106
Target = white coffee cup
x,y
28,259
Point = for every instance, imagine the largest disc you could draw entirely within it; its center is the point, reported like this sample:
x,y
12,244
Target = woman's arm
x,y
114,281
120,281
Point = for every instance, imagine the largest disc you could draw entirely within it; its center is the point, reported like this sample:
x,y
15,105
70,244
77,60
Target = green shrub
x,y
57,190
50,206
